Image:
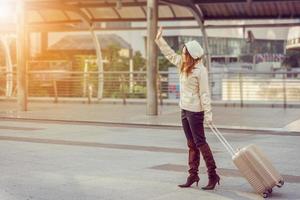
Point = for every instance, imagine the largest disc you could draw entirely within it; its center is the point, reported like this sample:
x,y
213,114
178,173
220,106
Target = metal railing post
x,y
241,90
284,90
90,93
123,89
159,89
261,88
55,91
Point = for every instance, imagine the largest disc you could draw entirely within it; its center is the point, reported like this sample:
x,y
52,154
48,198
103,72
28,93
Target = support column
x,y
21,57
206,46
6,40
87,21
131,71
44,42
152,16
197,14
99,63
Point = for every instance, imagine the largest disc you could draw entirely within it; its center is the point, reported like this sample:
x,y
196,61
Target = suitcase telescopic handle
x,y
222,139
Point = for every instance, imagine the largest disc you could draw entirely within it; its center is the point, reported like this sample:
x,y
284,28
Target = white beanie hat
x,y
194,49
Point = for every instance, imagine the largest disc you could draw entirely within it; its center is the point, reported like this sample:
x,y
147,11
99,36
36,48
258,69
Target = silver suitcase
x,y
254,165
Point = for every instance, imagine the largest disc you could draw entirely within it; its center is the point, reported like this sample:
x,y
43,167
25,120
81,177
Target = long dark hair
x,y
189,64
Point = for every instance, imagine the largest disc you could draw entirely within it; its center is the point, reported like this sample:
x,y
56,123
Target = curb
x,y
232,129
165,102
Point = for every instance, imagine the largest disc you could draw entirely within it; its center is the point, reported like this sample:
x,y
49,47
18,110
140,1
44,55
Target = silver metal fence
x,y
280,87
276,87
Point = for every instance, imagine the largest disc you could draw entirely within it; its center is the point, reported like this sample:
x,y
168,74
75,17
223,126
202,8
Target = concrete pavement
x,y
42,161
250,118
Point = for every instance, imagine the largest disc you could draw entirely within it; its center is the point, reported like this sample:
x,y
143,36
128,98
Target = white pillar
x,y
85,76
99,63
197,14
131,75
22,41
9,66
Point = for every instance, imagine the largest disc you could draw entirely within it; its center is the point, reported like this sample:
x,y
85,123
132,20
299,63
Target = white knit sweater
x,y
194,89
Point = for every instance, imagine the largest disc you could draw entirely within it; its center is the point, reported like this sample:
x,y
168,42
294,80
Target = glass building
x,y
227,50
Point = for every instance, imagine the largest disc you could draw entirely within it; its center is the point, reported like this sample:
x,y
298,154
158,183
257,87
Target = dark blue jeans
x,y
192,123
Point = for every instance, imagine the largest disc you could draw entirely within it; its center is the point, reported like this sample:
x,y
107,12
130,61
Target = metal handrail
x,y
230,86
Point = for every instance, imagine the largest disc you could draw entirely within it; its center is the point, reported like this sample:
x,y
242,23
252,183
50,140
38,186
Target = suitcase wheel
x,y
265,195
270,191
280,184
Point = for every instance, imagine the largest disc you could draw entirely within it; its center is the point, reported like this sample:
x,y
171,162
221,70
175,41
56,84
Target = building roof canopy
x,y
72,11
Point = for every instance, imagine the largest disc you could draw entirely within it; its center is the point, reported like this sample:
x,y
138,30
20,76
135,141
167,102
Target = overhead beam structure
x,y
31,17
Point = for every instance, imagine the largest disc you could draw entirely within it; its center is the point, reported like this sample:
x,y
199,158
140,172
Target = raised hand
x,y
159,33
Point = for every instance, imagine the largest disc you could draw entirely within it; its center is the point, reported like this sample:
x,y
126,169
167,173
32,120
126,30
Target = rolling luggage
x,y
254,165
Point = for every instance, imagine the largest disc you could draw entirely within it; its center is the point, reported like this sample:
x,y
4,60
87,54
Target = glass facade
x,y
234,47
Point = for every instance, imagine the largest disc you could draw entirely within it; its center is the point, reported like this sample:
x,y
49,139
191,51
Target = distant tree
x,y
139,62
116,62
111,54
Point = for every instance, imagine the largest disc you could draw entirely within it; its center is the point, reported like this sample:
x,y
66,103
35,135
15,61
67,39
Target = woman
x,y
195,107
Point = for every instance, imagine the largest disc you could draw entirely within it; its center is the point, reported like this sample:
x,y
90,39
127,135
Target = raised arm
x,y
205,95
168,52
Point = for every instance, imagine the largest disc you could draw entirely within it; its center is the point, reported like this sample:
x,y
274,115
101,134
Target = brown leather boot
x,y
194,159
213,177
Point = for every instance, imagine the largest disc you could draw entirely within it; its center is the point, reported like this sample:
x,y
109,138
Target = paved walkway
x,y
251,118
80,161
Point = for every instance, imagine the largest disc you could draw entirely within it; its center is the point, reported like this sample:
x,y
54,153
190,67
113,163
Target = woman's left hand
x,y
159,33
208,118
